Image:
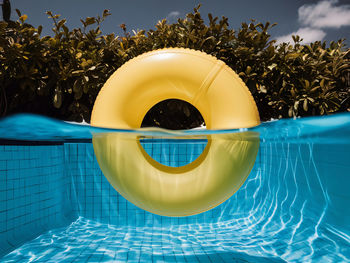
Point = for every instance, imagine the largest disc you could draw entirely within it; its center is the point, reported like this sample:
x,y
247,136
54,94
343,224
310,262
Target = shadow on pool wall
x,y
293,206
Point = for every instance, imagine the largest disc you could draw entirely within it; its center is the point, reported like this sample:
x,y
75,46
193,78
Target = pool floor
x,y
89,241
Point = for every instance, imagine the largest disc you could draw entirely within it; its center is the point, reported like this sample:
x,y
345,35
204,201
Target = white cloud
x,y
314,18
308,35
172,16
325,14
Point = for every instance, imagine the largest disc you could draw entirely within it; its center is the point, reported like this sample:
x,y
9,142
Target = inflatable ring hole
x,y
173,152
173,114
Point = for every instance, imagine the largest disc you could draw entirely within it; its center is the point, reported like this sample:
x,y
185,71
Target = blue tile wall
x,y
33,196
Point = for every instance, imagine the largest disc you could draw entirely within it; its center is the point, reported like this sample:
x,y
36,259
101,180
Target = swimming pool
x,y
56,206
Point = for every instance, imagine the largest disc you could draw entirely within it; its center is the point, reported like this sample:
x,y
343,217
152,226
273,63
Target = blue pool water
x,y
56,205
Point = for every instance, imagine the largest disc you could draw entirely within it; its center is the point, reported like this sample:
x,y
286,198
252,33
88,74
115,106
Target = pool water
x,y
56,205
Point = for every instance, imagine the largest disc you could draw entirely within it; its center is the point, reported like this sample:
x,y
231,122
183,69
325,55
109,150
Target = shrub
x,y
60,76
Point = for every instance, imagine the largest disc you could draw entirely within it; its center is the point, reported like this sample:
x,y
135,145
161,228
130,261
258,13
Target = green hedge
x,y
60,76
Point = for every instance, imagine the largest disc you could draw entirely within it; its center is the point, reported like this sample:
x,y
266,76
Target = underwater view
x,y
57,206
174,131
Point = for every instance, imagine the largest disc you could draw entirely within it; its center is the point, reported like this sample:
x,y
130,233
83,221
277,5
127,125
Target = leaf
x,y
106,13
263,89
62,22
321,110
305,56
77,72
83,22
210,16
86,63
305,107
292,91
322,83
90,21
292,56
208,38
65,29
18,13
80,45
248,70
309,48
78,55
272,66
57,98
296,105
290,111
314,89
40,28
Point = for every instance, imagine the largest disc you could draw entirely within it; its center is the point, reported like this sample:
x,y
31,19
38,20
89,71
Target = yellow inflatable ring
x,y
193,76
224,102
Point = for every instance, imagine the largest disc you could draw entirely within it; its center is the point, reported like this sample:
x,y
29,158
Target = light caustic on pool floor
x,y
89,241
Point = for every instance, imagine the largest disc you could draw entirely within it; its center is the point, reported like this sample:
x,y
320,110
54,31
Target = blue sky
x,y
313,20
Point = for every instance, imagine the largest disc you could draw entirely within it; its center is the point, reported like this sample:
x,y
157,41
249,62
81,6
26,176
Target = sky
x,y
311,19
